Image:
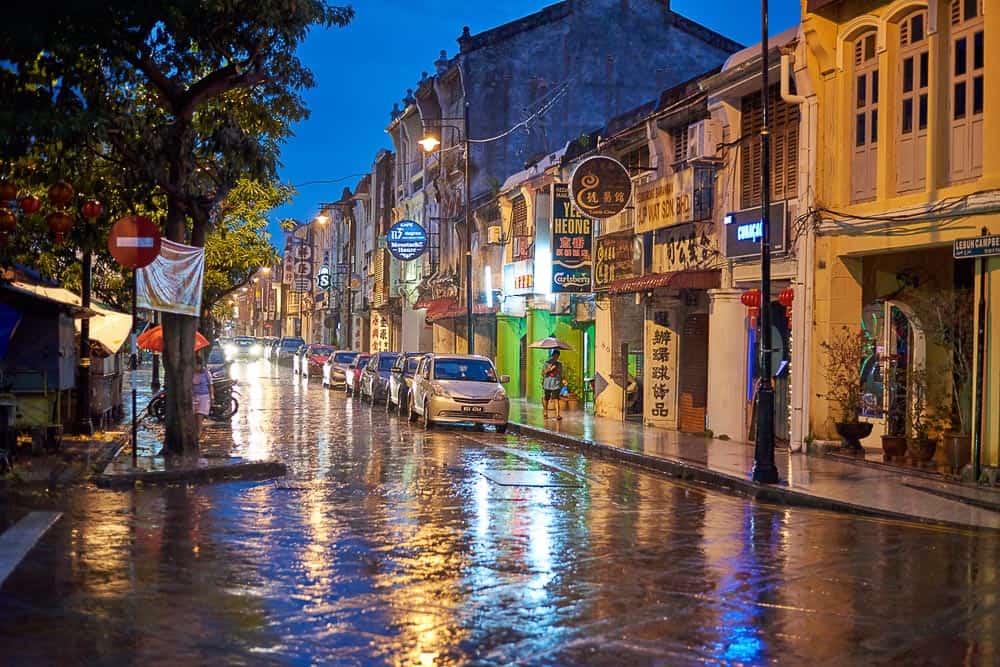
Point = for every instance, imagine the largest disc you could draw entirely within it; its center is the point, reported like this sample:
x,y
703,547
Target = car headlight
x,y
229,349
500,395
438,390
256,350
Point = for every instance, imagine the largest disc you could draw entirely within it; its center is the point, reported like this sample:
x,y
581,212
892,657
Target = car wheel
x,y
501,428
428,422
388,402
401,399
411,413
347,389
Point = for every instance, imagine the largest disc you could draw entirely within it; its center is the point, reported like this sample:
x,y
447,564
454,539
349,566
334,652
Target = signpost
x,y
134,242
979,248
406,240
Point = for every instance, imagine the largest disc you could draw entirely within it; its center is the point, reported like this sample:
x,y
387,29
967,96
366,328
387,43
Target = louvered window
x,y
521,231
864,118
636,160
679,139
911,124
784,122
966,98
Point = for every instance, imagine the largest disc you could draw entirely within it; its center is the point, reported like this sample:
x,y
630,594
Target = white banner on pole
x,y
173,282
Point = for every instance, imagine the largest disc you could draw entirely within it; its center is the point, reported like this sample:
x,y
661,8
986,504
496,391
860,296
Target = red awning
x,y
448,307
700,279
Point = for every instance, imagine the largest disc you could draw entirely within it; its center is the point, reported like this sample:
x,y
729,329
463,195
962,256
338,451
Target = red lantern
x,y
92,209
61,193
8,192
59,224
786,297
8,223
30,204
751,298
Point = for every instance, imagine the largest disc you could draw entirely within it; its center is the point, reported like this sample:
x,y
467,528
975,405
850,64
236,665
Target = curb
x,y
778,494
252,471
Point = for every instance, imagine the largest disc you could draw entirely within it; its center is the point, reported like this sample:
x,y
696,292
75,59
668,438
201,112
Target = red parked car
x,y
311,361
352,383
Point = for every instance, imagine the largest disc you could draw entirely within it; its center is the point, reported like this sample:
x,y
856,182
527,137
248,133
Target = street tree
x,y
189,96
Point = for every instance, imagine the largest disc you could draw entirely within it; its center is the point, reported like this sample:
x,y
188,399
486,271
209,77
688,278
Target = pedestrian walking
x,y
201,383
552,383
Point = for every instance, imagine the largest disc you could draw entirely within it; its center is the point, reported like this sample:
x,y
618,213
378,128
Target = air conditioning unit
x,y
494,235
704,138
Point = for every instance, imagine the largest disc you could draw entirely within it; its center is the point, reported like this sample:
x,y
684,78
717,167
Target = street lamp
x,y
429,143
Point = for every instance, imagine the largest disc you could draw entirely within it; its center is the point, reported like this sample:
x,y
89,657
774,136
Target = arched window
x,y
911,124
966,91
865,118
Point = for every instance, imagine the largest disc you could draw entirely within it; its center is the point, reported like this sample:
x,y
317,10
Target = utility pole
x,y
469,322
764,470
84,425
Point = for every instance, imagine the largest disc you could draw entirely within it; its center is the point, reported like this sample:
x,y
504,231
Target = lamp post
x,y
764,470
430,143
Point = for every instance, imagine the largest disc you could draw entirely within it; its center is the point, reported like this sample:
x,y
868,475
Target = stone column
x,y
727,370
608,395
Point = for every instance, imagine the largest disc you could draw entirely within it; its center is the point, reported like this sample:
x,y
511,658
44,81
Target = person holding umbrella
x,y
552,383
201,388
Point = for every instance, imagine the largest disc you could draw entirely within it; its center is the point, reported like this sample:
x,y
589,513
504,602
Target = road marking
x,y
19,539
536,460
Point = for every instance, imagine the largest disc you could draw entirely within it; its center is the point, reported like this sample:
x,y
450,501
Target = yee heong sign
x,y
572,234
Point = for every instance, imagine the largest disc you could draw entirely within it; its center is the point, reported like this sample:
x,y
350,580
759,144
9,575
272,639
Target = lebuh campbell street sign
x,y
977,246
601,187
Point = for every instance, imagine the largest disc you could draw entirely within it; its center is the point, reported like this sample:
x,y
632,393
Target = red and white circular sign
x,y
134,241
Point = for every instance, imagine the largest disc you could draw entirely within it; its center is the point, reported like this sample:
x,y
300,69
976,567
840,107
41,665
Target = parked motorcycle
x,y
224,405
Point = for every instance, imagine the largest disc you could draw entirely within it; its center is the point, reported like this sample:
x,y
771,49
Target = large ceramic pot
x,y
922,449
894,446
958,449
851,434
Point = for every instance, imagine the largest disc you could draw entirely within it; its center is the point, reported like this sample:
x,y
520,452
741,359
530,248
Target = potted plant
x,y
946,316
844,356
920,445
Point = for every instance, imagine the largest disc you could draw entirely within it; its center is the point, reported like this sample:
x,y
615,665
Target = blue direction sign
x,y
977,246
407,240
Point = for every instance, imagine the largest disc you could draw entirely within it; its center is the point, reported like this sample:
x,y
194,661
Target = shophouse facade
x,y
521,104
907,107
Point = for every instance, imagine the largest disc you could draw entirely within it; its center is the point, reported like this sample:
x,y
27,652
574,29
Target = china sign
x,y
665,201
615,258
406,240
745,228
601,187
572,234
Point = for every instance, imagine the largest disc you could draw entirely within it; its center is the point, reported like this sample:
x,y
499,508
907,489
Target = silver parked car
x,y
454,388
400,380
335,368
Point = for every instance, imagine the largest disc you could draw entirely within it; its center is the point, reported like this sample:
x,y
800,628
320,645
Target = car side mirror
x,y
504,379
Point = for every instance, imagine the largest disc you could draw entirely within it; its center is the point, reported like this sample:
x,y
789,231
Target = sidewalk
x,y
806,480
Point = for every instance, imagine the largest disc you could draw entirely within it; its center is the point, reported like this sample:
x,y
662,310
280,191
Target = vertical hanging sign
x,y
660,391
572,240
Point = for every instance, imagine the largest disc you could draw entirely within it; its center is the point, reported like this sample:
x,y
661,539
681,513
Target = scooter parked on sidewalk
x,y
224,405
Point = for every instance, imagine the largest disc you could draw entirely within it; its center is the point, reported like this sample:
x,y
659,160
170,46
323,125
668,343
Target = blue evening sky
x,y
362,69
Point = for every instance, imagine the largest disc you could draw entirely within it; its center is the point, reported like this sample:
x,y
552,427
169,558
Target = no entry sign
x,y
134,241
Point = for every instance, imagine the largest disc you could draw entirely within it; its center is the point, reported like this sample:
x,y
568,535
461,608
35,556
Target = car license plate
x,y
472,408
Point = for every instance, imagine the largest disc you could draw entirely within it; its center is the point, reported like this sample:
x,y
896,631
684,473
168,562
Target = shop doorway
x,y
523,375
635,371
694,374
896,348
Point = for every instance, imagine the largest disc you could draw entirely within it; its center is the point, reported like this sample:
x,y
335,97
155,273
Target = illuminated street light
x,y
322,218
429,143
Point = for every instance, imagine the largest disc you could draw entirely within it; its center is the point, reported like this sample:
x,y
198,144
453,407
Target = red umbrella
x,y
152,339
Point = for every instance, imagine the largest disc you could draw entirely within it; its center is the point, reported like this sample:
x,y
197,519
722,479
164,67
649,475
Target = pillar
x,y
727,381
608,395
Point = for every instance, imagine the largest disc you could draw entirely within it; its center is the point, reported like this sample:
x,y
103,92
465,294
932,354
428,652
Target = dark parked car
x,y
375,376
400,379
287,347
352,382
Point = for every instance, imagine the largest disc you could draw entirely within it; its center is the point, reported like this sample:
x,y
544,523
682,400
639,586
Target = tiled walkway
x,y
805,479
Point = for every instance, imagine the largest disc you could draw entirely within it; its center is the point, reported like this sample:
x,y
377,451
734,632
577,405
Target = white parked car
x,y
454,389
400,381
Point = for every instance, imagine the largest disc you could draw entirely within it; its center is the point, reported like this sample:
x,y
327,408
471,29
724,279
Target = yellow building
x,y
909,102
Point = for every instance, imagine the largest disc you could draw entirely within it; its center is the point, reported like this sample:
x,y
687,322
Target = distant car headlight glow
x,y
230,350
256,350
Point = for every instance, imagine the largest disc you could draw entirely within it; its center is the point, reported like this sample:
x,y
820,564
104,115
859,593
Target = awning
x,y
109,329
448,307
699,279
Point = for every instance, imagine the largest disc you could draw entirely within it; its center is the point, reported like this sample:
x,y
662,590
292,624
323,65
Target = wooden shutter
x,y
693,380
784,122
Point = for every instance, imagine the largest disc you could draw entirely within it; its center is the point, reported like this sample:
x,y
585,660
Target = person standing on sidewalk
x,y
202,389
552,383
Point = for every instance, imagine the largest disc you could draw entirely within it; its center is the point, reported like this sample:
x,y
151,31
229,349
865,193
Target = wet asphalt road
x,y
388,544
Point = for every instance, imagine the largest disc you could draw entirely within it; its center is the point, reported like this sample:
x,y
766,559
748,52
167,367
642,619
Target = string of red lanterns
x,y
60,222
751,299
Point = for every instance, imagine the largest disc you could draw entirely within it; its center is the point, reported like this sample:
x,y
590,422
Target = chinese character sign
x,y
682,247
660,386
614,259
601,187
571,244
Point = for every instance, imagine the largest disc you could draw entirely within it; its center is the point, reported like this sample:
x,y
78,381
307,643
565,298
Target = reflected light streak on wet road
x,y
388,544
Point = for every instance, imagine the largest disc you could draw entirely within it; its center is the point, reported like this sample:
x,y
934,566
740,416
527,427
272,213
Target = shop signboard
x,y
572,240
601,187
323,278
977,246
302,266
690,246
407,240
744,228
519,278
664,202
615,258
660,391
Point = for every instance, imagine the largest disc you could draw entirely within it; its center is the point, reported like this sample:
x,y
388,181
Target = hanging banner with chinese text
x,y
173,282
660,390
572,234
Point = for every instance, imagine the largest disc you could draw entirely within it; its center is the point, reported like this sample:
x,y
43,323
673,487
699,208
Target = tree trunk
x,y
178,366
